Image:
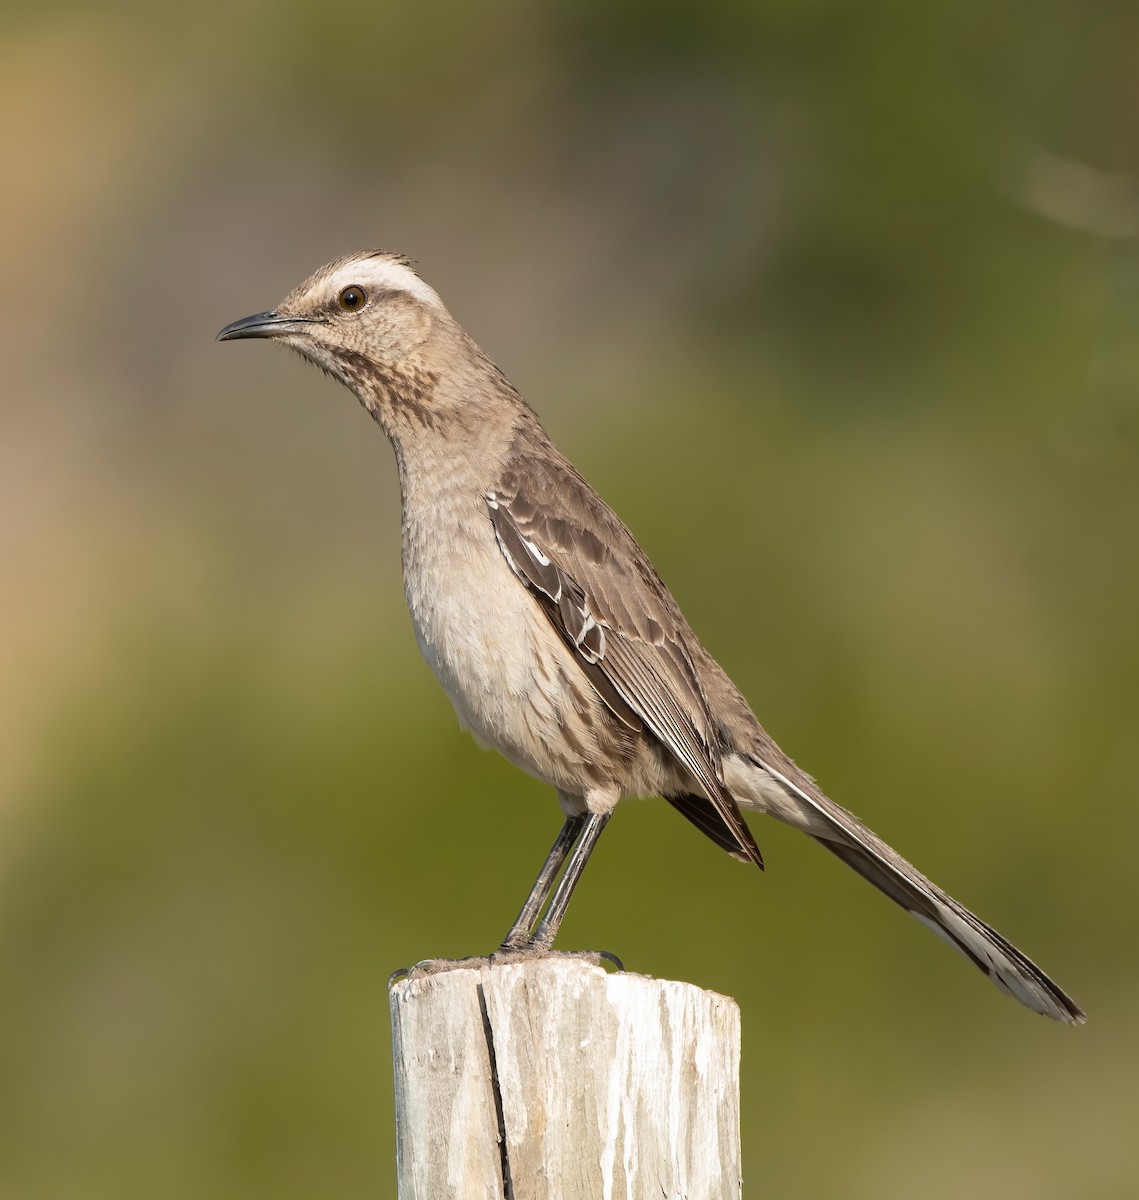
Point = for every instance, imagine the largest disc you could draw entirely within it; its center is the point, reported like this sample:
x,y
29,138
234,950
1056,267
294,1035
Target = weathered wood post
x,y
552,1078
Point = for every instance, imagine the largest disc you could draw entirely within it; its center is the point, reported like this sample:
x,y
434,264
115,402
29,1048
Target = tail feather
x,y
848,839
1015,974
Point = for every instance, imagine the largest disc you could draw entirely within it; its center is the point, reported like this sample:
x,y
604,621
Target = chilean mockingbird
x,y
549,629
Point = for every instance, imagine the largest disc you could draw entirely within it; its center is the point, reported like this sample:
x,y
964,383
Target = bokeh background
x,y
837,304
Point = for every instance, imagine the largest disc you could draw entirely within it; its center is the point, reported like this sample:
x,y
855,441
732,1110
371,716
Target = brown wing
x,y
602,595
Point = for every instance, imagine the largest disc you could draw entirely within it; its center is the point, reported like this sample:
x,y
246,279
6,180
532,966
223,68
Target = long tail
x,y
802,804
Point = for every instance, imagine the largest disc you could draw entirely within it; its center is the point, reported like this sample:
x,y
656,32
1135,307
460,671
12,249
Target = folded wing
x,y
599,591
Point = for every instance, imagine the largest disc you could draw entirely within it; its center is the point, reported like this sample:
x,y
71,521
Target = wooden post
x,y
552,1078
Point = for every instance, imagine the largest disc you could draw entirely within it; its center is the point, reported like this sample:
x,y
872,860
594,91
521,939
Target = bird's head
x,y
369,321
361,318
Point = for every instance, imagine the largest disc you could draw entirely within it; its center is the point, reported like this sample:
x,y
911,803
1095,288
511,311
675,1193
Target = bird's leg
x,y
519,935
547,929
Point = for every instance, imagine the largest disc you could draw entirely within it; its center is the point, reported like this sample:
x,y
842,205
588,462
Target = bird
x,y
548,627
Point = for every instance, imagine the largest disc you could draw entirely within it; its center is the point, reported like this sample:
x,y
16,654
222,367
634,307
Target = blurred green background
x,y
837,304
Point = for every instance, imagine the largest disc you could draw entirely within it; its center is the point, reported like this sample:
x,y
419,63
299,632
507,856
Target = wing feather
x,y
600,592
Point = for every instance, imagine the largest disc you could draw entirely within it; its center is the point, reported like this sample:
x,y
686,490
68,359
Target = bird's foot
x,y
510,952
504,956
436,966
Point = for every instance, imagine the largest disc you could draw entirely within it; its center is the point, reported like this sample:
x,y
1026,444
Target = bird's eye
x,y
352,298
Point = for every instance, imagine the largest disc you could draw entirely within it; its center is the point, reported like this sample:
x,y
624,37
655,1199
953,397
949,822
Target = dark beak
x,y
263,325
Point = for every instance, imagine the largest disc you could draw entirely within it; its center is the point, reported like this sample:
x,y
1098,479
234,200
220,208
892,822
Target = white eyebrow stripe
x,y
384,274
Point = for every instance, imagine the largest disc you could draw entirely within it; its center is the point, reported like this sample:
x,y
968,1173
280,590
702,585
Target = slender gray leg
x,y
519,935
547,930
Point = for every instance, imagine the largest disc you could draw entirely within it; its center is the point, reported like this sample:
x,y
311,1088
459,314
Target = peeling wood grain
x,y
553,1078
